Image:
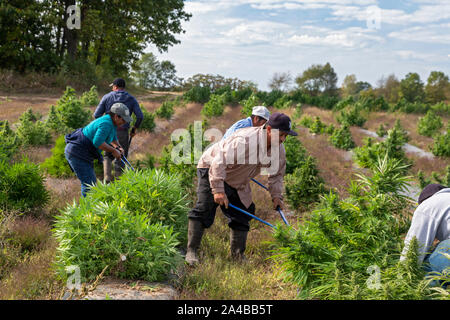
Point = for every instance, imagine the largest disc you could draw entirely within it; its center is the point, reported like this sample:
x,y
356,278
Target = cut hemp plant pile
x,y
333,253
133,226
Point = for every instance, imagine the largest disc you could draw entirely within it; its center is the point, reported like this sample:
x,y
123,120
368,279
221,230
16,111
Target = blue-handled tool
x,y
127,163
124,160
278,208
251,215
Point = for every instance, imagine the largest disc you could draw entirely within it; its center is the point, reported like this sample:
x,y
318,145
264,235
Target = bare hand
x,y
221,199
117,154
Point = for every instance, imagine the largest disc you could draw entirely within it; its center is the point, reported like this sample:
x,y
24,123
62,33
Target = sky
x,y
253,39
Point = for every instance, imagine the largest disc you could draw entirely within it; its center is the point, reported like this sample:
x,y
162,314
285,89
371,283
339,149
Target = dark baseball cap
x,y
428,191
119,82
281,122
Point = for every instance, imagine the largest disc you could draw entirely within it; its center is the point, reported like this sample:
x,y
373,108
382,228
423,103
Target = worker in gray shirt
x,y
119,95
431,220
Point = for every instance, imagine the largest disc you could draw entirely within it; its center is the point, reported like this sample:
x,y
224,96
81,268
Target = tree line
x,y
35,35
321,80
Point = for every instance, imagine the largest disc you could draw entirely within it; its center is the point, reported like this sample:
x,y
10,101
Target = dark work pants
x,y
205,208
119,166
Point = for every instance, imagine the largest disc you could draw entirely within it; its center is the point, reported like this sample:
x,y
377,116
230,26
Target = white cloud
x,y
424,14
222,39
437,33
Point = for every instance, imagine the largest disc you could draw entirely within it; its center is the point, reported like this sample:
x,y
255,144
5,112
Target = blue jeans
x,y
84,171
437,263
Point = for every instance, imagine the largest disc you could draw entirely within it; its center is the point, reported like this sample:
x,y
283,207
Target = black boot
x,y
238,240
195,234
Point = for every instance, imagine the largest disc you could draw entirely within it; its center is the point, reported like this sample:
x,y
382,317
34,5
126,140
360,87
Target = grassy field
x,y
29,274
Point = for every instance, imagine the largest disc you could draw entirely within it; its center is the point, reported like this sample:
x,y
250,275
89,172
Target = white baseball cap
x,y
261,111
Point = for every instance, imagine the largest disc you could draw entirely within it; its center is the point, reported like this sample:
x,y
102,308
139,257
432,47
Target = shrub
x,y
373,104
295,153
166,110
330,129
54,122
351,117
381,131
21,187
298,111
151,192
241,94
441,108
317,126
214,107
344,103
410,107
400,132
429,124
8,141
269,98
90,98
197,94
441,144
56,165
33,133
248,104
96,235
322,101
186,168
29,116
306,121
283,103
329,254
304,185
73,115
148,123
367,155
342,138
71,111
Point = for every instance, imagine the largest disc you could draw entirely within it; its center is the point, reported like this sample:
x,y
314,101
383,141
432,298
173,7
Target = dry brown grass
x,y
408,121
12,107
29,241
34,278
326,116
334,165
427,165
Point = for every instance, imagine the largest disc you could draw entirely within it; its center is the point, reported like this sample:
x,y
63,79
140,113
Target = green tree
x,y
113,33
412,88
349,87
389,88
26,36
437,83
280,81
153,74
318,79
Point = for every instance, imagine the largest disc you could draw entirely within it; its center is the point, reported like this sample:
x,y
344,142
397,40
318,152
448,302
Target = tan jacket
x,y
239,158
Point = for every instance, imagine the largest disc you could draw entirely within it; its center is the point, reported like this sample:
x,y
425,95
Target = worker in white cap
x,y
260,115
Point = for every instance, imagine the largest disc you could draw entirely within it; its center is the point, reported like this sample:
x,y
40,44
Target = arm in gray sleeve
x,y
424,228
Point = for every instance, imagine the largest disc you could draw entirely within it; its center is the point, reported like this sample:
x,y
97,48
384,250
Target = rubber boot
x,y
195,234
238,240
107,170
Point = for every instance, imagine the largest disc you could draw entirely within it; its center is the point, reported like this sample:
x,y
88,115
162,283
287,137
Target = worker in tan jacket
x,y
224,172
